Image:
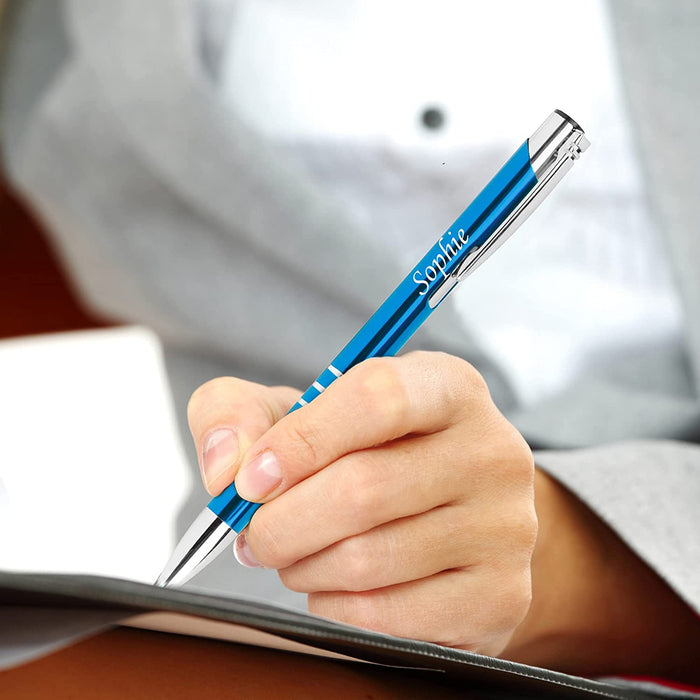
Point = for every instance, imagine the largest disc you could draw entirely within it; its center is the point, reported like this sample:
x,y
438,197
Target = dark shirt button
x,y
433,118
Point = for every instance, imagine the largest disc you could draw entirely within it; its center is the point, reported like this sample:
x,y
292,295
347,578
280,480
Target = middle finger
x,y
356,493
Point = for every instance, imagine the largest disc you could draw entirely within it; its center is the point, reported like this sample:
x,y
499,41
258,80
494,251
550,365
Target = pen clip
x,y
549,172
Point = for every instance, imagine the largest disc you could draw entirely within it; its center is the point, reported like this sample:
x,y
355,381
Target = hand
x,y
400,500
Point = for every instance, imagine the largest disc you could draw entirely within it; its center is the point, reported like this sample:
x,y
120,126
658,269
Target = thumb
x,y
226,416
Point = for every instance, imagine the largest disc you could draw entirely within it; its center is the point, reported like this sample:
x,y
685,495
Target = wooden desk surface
x,y
133,664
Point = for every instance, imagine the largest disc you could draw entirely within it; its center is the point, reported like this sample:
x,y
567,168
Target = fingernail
x,y
257,478
244,556
219,452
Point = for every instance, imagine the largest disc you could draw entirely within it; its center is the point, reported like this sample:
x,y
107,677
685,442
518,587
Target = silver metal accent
x,y
319,387
553,149
558,132
442,291
336,371
446,287
302,402
204,541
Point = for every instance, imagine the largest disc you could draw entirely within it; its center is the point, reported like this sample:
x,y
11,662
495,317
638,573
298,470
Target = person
x,y
239,218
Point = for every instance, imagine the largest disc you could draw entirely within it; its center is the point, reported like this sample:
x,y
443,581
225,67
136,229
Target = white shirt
x,y
342,86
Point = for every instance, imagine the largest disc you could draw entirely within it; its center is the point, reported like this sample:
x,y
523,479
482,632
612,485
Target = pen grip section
x,y
234,510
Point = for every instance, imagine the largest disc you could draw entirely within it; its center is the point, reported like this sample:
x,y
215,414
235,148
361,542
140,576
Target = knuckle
x,y
358,565
466,388
380,387
514,604
528,530
504,447
306,438
517,456
513,539
502,606
360,490
203,395
470,378
508,597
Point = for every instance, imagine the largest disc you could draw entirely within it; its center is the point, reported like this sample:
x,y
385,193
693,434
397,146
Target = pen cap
x,y
552,150
558,131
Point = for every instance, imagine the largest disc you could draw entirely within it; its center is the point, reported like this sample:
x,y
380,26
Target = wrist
x,y
596,608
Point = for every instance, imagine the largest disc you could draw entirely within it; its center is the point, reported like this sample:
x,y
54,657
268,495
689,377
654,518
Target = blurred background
x,y
35,293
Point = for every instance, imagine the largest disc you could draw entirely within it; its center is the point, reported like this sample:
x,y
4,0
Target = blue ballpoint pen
x,y
514,192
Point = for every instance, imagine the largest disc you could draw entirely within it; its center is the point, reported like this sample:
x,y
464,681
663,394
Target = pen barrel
x,y
408,305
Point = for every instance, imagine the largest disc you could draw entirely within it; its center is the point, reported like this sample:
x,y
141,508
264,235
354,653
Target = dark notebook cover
x,y
29,592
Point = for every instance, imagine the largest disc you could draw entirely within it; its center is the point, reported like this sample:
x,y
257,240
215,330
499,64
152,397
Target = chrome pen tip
x,y
173,578
162,580
205,539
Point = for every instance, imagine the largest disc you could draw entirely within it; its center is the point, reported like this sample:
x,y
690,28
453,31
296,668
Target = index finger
x,y
378,401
